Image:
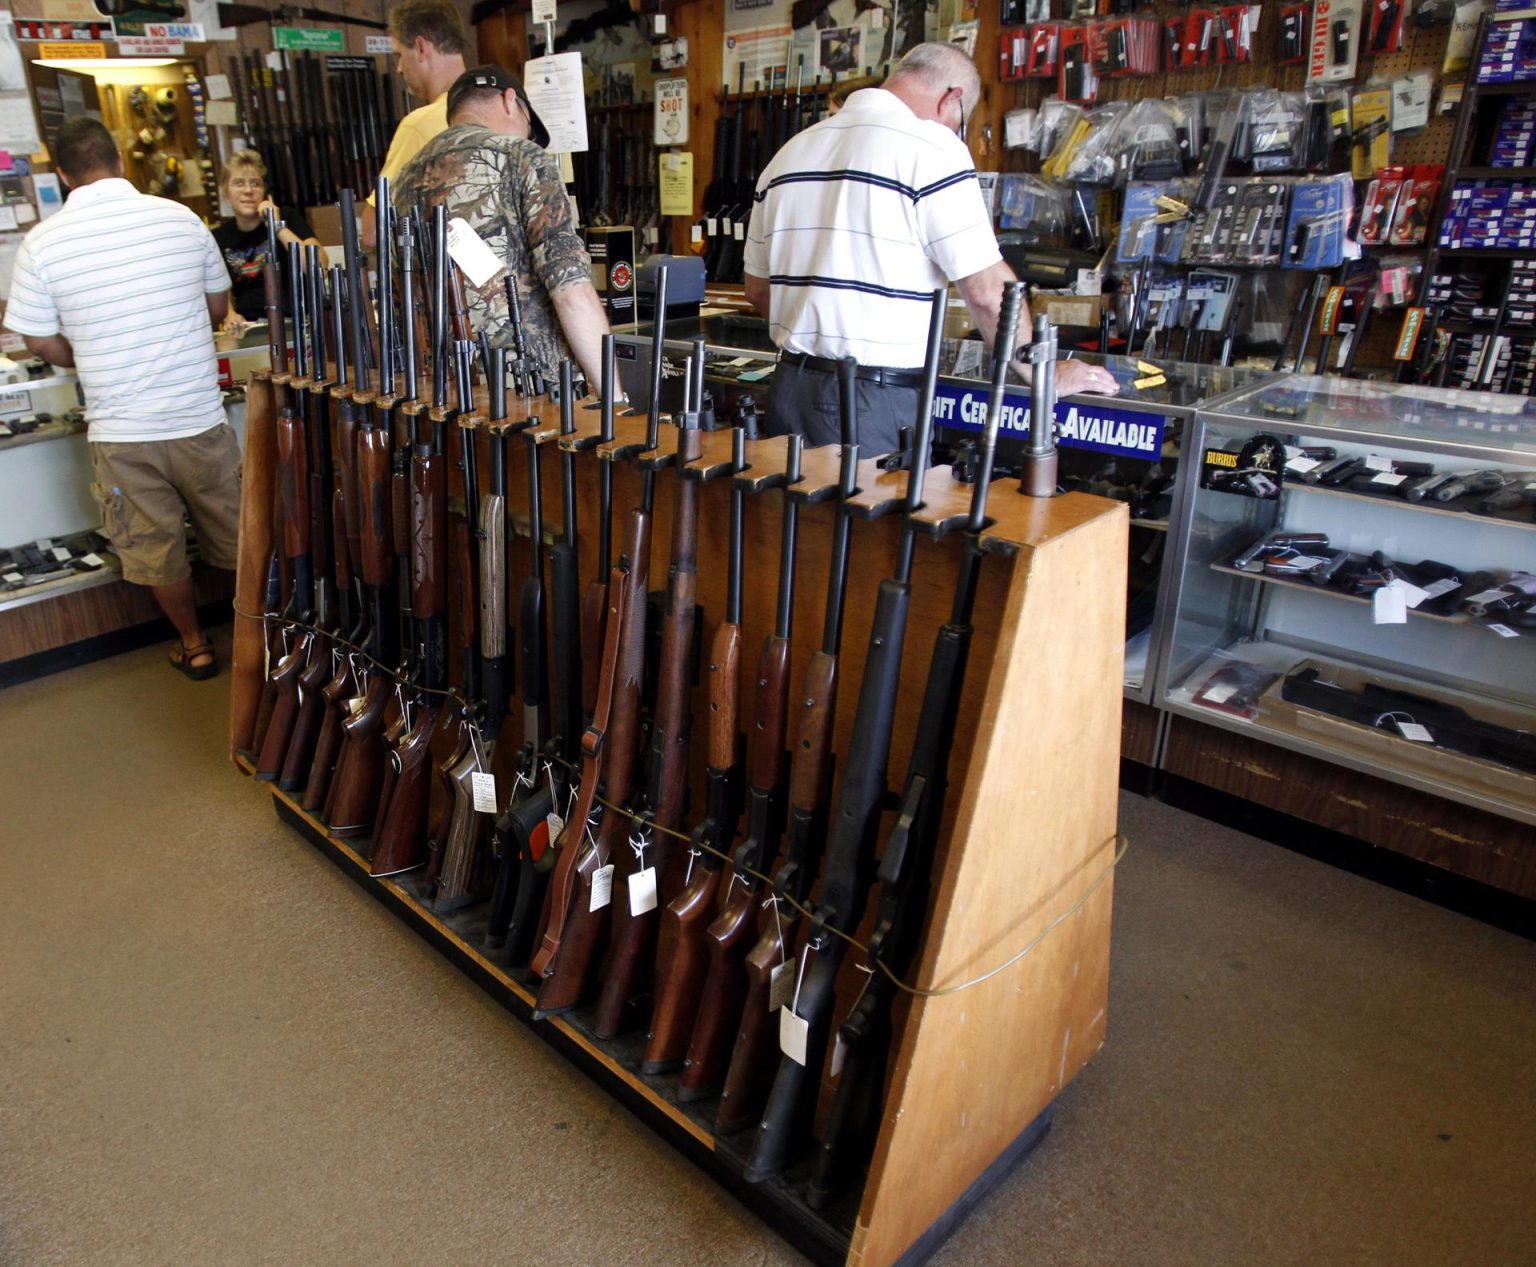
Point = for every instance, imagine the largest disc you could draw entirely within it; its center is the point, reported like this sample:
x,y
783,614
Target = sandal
x,y
183,655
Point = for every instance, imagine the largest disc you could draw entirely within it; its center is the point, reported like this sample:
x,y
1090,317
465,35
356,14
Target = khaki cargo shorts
x,y
146,488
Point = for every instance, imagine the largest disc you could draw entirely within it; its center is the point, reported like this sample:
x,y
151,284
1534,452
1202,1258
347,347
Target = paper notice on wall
x,y
676,184
223,114
50,198
556,91
18,124
759,58
218,88
10,243
13,77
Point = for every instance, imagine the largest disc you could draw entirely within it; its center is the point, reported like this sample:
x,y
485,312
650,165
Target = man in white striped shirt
x,y
856,222
127,288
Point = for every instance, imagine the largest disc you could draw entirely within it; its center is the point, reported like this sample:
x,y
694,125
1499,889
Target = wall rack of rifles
x,y
490,658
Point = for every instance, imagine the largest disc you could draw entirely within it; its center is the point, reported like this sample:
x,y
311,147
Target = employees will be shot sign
x,y
1124,433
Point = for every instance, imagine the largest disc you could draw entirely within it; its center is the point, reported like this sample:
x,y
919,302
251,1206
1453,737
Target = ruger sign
x,y
1124,433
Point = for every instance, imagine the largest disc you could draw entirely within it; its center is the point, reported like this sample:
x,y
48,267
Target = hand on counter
x,y
234,326
1077,377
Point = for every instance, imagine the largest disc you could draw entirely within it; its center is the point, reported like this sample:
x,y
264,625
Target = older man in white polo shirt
x,y
126,288
856,222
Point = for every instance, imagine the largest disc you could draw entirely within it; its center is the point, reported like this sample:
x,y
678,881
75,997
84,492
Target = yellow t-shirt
x,y
414,131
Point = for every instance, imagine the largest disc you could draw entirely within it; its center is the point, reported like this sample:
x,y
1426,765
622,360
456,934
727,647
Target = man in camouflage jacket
x,y
490,169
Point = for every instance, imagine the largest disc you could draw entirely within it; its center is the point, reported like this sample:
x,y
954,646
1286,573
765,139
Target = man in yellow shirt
x,y
431,42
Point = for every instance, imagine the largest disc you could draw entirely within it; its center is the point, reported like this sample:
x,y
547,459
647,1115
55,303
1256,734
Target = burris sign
x,y
1101,428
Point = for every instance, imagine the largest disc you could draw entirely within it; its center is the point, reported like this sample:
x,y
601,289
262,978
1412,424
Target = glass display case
x,y
1127,446
1356,581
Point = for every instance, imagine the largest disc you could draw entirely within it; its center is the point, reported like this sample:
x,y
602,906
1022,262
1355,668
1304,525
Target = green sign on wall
x,y
312,39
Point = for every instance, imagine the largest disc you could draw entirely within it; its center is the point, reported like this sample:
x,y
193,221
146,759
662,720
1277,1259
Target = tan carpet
x,y
215,1049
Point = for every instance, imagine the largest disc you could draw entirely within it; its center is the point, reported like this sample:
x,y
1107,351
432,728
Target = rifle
x,y
526,376
594,604
272,288
749,1076
310,358
631,955
571,930
715,191
293,487
681,958
458,878
345,557
721,246
851,838
907,861
729,938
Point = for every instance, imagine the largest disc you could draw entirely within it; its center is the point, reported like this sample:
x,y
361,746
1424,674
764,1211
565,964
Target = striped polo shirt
x,y
857,221
123,275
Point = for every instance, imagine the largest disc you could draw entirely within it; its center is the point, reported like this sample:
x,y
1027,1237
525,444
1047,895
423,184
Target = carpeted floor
x,y
214,1049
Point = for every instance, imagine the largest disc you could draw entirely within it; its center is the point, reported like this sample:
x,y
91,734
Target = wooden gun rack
x,y
1029,826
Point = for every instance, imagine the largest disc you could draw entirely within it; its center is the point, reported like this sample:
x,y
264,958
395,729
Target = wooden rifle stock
x,y
328,745
754,1055
293,489
306,729
360,771
730,937
631,952
616,727
400,835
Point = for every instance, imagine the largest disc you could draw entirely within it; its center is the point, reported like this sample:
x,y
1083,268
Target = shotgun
x,y
681,954
272,289
731,936
805,1027
749,1075
574,921
636,920
907,860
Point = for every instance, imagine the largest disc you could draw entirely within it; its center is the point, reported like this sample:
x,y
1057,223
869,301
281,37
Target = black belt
x,y
885,375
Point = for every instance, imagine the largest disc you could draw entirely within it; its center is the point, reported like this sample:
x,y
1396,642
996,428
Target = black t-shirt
x,y
245,252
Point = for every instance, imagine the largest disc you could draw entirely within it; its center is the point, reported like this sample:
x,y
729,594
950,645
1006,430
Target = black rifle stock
x,y
851,838
907,859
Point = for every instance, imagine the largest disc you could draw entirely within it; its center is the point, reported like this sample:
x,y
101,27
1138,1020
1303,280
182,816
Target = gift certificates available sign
x,y
1125,433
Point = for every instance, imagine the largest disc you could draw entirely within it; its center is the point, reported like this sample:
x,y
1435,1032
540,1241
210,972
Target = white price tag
x,y
727,226
696,234
482,786
781,985
1374,463
1388,478
1412,594
61,554
44,543
794,1033
839,1054
543,11
469,251
1220,694
642,891
92,560
1488,596
648,235
555,824
1412,730
1443,586
602,887
711,225
274,60
1389,606
12,578
378,44
1301,465
1504,631
741,230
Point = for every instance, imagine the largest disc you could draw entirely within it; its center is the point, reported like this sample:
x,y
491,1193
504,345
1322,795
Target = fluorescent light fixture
x,y
103,63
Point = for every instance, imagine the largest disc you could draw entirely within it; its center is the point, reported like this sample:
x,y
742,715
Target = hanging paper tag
x,y
839,1054
1488,596
92,560
781,985
16,578
468,250
794,1033
1301,465
1443,586
741,230
711,225
642,891
1374,463
1412,730
602,887
1389,606
696,234
482,785
554,824
1504,631
1388,478
61,554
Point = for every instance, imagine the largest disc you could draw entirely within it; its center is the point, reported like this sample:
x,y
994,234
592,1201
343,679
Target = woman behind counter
x,y
243,240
